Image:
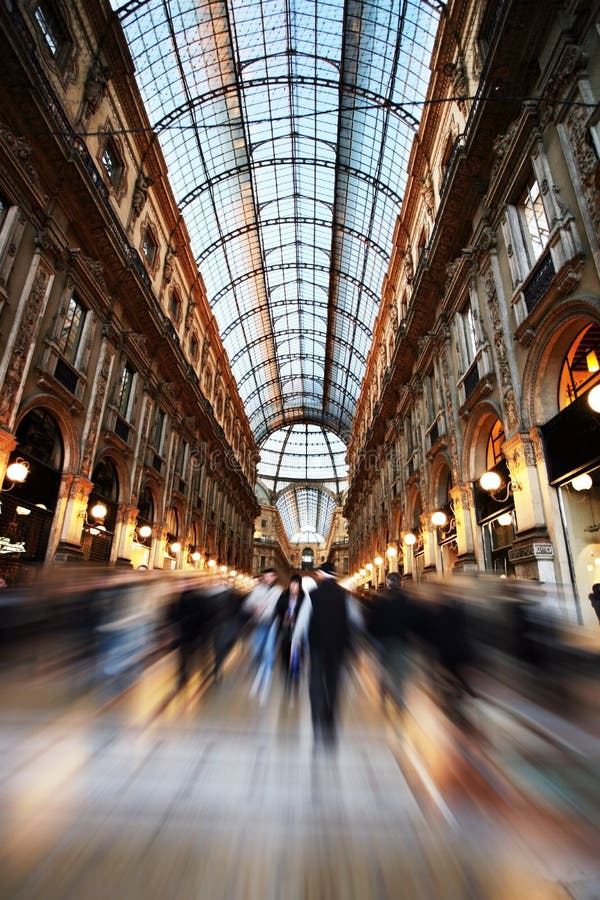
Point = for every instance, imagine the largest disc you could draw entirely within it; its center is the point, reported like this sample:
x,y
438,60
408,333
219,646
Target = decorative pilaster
x,y
124,529
96,408
22,339
73,499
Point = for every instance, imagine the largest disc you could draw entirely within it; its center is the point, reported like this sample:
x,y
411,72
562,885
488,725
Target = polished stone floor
x,y
212,793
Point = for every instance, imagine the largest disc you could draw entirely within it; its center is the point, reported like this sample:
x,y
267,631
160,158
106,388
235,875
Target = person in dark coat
x,y
325,618
594,599
390,626
286,615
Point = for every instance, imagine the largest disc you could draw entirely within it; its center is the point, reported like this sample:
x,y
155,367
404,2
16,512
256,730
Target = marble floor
x,y
213,793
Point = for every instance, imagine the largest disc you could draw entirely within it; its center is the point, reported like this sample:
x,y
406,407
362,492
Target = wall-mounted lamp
x,y
594,398
582,482
439,518
491,482
142,533
505,519
212,563
410,538
391,552
93,519
378,560
175,547
196,556
16,473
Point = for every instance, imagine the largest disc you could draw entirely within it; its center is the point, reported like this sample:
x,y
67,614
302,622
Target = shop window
x,y
69,338
581,367
150,247
533,221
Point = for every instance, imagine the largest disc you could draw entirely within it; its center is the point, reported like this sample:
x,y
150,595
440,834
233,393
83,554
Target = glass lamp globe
x,y
439,518
17,471
582,482
98,511
410,539
490,481
594,398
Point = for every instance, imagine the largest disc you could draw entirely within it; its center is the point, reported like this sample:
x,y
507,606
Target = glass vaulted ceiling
x,y
287,127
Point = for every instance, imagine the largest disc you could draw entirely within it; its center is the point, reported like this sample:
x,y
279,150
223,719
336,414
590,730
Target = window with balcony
x,y
158,431
533,221
124,391
69,338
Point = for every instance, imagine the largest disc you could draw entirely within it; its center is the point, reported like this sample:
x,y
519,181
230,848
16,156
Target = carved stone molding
x,y
96,83
24,339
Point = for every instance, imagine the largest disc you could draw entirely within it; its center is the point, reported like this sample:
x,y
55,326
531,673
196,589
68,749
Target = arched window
x,y
581,367
39,438
494,444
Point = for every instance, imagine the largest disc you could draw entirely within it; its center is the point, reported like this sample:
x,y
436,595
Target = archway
x,y
98,531
27,509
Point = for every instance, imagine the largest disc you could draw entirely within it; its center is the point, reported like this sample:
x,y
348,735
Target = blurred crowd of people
x,y
112,624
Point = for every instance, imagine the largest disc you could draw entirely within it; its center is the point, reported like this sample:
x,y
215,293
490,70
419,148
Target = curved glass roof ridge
x,y
304,465
286,126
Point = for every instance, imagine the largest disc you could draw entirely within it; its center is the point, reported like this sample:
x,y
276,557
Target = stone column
x,y
430,546
74,495
124,528
463,503
532,553
8,442
159,545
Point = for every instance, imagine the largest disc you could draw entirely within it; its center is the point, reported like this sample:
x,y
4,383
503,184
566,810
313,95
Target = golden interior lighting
x,y
410,539
592,361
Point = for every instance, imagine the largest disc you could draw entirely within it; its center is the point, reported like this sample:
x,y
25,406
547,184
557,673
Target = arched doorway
x,y
98,534
495,510
307,559
27,509
572,448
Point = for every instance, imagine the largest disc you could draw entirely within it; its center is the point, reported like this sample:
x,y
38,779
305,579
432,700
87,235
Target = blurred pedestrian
x,y
286,615
594,599
390,627
326,619
260,604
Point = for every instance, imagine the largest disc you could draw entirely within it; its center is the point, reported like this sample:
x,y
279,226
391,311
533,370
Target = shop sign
x,y
9,546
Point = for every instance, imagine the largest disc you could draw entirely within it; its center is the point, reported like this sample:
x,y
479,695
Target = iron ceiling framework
x,y
287,126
